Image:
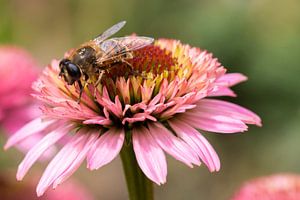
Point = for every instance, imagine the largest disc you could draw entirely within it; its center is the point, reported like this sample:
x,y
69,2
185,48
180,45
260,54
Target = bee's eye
x,y
63,62
73,70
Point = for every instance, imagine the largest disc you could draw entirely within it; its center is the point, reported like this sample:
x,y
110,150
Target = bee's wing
x,y
115,47
109,32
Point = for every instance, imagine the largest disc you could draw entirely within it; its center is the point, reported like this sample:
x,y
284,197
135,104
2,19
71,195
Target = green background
x,y
259,38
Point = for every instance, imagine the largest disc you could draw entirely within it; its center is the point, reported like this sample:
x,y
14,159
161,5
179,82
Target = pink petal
x,y
222,91
26,144
231,79
215,123
117,107
219,107
61,162
155,100
36,151
196,141
172,89
124,87
106,148
32,127
179,108
173,145
98,120
139,117
149,155
224,82
146,91
68,113
104,100
77,162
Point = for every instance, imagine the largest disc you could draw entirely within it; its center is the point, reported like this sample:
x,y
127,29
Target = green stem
x,y
138,185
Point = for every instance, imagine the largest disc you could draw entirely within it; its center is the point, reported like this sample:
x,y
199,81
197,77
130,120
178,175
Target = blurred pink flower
x,y
17,71
275,187
10,190
160,110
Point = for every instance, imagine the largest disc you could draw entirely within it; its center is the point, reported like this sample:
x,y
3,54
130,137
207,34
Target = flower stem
x,y
138,185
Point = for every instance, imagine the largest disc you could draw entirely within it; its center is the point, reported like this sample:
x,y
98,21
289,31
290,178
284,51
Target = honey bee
x,y
91,60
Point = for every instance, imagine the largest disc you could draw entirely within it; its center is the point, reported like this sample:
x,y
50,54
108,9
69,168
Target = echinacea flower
x,y
274,187
10,190
17,71
161,108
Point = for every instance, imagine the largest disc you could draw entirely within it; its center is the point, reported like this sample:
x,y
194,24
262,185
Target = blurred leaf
x,y
6,25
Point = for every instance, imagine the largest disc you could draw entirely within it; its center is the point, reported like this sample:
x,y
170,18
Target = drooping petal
x,y
173,145
149,155
35,152
223,84
61,162
106,148
223,108
33,127
77,162
231,79
196,141
222,91
26,144
214,123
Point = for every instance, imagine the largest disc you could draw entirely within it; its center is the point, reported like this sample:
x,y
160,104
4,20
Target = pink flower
x,y
70,191
275,187
17,71
159,111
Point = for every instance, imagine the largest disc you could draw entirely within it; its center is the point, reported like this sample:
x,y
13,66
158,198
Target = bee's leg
x,y
97,82
80,91
81,87
128,64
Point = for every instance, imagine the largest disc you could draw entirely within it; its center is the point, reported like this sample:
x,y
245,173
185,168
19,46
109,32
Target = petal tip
x,y
39,193
258,122
92,168
19,176
215,169
6,147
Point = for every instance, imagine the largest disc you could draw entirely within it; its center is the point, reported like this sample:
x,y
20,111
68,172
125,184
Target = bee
x,y
91,60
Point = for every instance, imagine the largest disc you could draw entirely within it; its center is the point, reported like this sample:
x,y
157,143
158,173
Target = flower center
x,y
153,59
148,61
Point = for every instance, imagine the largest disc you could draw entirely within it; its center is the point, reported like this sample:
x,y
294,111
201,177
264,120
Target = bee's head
x,y
69,71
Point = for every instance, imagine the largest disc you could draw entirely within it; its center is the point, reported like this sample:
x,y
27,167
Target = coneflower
x,y
162,108
18,70
273,187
